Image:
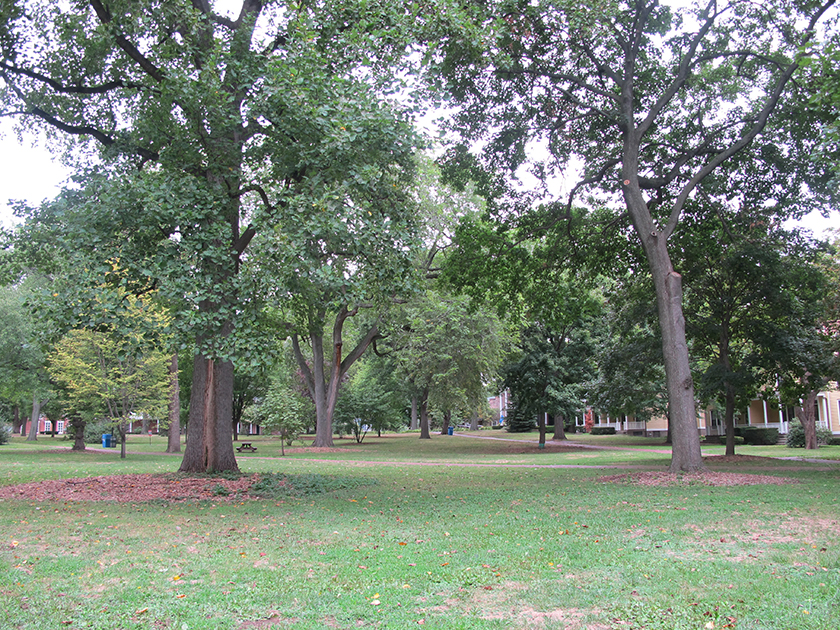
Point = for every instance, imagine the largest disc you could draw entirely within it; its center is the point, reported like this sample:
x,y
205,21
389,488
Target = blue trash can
x,y
451,430
107,440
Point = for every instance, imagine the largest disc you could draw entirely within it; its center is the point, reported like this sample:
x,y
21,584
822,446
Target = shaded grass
x,y
453,546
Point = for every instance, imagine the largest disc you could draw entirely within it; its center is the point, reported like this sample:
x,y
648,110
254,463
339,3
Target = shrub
x,y
759,436
603,430
796,435
276,485
5,433
835,441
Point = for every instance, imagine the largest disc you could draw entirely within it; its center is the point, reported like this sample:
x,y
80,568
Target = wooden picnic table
x,y
246,446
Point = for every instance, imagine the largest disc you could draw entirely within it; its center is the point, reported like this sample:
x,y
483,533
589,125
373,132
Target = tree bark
x,y
78,434
729,420
447,418
808,418
424,415
541,427
121,431
414,425
209,445
682,414
324,390
173,442
16,420
559,427
33,422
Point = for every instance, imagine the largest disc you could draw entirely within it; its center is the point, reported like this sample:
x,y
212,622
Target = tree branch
x,y
127,47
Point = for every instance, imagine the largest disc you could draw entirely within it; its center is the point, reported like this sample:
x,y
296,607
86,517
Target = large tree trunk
x,y
324,391
321,394
33,421
541,427
424,416
78,434
413,426
808,417
729,421
173,442
447,418
16,421
121,430
682,414
559,427
209,444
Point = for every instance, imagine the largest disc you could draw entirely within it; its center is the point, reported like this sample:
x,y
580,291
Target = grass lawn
x,y
455,532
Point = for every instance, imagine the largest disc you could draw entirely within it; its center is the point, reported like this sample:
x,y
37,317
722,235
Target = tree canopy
x,y
212,130
648,101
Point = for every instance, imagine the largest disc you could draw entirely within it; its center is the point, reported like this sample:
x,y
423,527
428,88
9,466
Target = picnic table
x,y
246,446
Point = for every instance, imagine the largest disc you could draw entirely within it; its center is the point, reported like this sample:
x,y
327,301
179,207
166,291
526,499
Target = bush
x,y
759,436
796,435
835,441
5,433
603,430
94,431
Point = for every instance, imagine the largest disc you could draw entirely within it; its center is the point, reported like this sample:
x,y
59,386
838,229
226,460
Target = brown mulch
x,y
132,489
707,478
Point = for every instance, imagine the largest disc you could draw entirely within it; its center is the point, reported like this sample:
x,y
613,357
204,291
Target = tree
x,y
372,400
631,378
806,357
282,408
213,130
650,101
23,380
104,375
744,276
446,353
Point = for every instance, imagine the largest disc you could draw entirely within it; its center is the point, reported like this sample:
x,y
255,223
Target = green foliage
x,y
279,485
759,436
796,435
109,376
596,430
219,490
443,347
370,398
5,433
21,357
283,408
519,420
95,430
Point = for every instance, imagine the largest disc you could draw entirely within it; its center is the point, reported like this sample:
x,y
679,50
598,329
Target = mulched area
x,y
132,489
175,487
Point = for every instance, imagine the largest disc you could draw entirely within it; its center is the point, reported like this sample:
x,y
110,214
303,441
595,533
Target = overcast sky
x,y
32,174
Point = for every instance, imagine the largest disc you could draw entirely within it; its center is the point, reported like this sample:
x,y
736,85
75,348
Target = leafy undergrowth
x,y
278,485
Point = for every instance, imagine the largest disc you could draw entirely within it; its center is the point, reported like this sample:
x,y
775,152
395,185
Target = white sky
x,y
32,174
